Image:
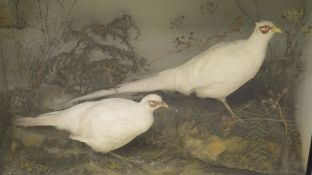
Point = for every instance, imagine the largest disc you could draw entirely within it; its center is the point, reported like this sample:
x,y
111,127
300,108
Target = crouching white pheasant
x,y
215,73
104,125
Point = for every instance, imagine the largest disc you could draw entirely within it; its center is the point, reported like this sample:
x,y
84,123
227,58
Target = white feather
x,y
215,73
104,125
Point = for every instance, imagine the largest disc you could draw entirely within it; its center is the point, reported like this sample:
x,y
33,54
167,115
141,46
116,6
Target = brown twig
x,y
244,11
263,119
280,111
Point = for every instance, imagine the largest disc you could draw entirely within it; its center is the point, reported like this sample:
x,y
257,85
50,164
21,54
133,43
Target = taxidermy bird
x,y
103,125
215,73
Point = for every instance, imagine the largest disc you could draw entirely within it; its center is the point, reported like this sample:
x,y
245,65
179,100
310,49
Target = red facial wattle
x,y
265,29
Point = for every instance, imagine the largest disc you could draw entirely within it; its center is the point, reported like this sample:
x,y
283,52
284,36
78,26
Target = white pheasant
x,y
104,125
215,73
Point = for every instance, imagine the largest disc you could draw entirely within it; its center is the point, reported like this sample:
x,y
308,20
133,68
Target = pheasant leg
x,y
227,106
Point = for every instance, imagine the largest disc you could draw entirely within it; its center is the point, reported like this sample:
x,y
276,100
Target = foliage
x,y
177,22
188,40
79,71
208,7
22,101
257,150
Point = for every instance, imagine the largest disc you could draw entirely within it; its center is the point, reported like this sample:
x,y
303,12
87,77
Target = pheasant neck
x,y
258,43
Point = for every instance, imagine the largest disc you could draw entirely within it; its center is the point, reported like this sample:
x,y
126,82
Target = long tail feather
x,y
145,85
45,120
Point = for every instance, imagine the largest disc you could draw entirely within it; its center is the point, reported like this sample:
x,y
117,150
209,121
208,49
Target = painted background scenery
x,y
53,51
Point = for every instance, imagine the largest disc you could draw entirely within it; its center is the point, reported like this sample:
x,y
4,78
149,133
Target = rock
x,y
262,155
29,138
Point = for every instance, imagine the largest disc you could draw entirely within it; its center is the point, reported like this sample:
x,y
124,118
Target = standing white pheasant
x,y
104,125
215,73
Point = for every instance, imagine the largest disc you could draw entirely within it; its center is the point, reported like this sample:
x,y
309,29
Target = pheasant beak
x,y
163,104
276,30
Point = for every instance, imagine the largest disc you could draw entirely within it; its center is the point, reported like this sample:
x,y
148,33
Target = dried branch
x,y
244,11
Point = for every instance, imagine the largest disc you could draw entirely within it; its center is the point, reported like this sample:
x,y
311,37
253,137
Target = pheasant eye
x,y
265,29
153,103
